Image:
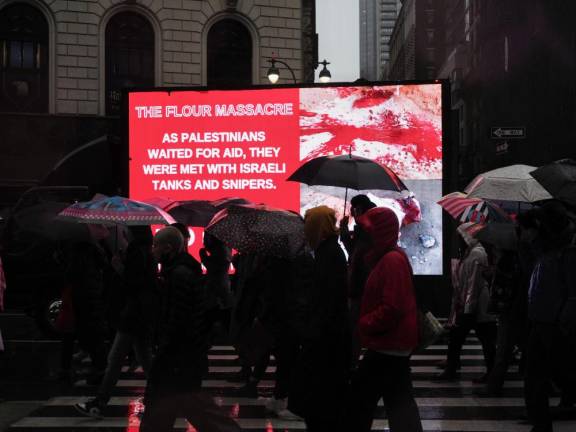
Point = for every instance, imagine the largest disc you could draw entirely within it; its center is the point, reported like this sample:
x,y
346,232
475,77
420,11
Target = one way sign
x,y
508,133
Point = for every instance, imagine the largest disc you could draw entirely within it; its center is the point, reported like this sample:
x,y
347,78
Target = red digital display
x,y
207,145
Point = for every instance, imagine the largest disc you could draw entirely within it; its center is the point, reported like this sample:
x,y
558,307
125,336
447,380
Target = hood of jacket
x,y
382,226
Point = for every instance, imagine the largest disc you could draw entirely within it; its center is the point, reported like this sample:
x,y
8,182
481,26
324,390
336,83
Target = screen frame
x,y
432,287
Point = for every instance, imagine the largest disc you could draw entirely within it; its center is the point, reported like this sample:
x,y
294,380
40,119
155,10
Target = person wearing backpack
x,y
552,316
174,387
388,328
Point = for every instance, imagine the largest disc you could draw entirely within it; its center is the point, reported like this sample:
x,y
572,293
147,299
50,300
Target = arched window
x,y
23,59
129,57
229,54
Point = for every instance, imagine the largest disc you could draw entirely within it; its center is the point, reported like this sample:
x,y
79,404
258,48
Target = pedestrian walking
x,y
506,303
174,387
552,315
85,275
388,330
357,244
135,323
216,257
321,376
284,301
470,301
253,341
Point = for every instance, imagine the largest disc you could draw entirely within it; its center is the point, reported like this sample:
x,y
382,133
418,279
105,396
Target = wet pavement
x,y
444,406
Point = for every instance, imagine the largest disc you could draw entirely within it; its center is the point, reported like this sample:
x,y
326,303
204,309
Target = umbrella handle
x,y
345,201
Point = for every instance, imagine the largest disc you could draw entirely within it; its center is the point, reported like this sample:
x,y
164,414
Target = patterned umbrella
x,y
477,210
115,210
456,202
256,228
483,211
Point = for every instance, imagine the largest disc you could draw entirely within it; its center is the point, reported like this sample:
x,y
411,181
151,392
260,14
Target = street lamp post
x,y
274,73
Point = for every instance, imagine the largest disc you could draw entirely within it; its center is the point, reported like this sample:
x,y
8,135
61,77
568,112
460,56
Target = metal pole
x,y
345,200
287,67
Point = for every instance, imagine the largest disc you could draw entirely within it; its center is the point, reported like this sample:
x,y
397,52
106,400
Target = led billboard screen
x,y
210,144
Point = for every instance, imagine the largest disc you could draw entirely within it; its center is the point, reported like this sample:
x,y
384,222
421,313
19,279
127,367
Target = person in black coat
x,y
357,244
552,338
183,340
135,322
84,274
321,377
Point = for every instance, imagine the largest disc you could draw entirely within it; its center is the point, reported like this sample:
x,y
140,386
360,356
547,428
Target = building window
x,y
129,57
23,59
229,54
430,55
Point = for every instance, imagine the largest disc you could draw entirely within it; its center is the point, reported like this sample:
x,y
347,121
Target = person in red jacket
x,y
388,328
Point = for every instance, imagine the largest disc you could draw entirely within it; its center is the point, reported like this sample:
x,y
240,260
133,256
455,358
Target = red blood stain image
x,y
372,97
392,119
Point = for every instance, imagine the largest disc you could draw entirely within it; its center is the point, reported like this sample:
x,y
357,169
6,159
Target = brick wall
x,y
180,26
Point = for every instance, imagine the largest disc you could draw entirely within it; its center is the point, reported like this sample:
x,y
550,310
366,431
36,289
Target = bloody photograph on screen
x,y
208,145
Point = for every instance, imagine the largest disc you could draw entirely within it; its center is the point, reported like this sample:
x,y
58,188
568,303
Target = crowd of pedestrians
x,y
341,328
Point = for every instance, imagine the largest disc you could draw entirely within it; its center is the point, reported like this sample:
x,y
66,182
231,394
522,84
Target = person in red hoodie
x,y
388,328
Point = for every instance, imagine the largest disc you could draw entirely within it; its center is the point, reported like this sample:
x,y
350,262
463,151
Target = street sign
x,y
502,148
508,133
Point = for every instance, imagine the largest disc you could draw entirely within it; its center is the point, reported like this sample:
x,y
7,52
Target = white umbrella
x,y
511,183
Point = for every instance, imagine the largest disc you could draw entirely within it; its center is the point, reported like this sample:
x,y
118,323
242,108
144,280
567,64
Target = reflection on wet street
x,y
444,405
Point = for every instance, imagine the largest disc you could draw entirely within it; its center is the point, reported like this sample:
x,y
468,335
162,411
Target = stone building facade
x,y
64,63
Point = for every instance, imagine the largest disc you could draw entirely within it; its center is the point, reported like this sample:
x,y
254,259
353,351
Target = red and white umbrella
x,y
456,203
465,209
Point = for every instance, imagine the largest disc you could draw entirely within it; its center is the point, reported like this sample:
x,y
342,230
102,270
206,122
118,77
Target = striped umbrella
x,y
456,203
466,209
115,210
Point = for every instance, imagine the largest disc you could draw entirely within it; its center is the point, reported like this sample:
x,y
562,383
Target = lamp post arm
x,y
287,67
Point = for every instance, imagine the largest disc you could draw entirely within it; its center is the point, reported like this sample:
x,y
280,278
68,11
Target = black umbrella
x,y
199,212
41,220
348,171
257,228
559,179
499,234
